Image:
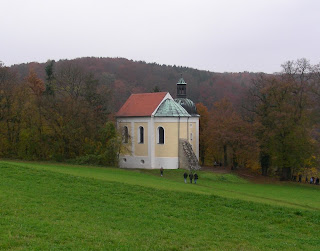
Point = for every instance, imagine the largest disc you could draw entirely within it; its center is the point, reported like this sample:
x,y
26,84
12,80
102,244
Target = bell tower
x,y
181,88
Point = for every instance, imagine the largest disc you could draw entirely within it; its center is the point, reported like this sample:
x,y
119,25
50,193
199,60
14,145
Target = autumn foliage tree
x,y
63,118
11,111
230,137
203,131
283,117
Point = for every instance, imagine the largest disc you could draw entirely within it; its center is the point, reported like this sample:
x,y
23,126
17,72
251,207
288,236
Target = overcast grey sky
x,y
216,35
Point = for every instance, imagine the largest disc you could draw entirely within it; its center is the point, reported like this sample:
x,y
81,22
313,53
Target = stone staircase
x,y
188,159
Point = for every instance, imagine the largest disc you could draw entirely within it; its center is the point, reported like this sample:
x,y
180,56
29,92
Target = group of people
x,y
312,180
192,176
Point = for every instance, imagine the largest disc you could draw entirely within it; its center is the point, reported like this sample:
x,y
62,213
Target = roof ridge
x,y
144,93
141,104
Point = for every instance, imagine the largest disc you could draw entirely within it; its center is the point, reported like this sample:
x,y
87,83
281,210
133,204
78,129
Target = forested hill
x,y
64,111
123,77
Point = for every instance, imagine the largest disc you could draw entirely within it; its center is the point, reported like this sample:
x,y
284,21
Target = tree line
x,y
64,111
275,129
123,77
64,117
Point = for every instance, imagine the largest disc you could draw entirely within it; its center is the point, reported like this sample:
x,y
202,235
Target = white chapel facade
x,y
155,129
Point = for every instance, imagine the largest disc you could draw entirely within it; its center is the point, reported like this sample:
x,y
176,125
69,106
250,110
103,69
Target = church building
x,y
159,131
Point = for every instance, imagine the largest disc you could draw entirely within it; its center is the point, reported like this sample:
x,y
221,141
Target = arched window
x,y
141,135
160,135
125,134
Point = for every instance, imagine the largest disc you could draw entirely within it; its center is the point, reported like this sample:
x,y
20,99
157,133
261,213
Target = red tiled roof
x,y
140,105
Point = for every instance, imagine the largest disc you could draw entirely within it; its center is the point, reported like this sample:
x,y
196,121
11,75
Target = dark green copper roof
x,y
188,105
181,82
169,108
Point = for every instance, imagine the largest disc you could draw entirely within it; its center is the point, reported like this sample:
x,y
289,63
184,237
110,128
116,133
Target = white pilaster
x,y
152,142
197,138
132,138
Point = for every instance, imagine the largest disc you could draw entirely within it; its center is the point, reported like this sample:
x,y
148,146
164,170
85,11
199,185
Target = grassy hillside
x,y
45,206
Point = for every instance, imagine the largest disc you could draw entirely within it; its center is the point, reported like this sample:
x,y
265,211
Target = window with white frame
x,y
125,134
160,135
141,135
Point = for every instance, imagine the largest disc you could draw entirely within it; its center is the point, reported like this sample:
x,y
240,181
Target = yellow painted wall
x,y
141,149
183,130
170,146
126,148
169,149
192,129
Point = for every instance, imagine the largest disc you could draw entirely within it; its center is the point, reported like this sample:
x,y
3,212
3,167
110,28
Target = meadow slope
x,y
55,206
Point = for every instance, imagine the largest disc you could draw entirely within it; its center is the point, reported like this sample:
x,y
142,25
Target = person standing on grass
x,y
185,176
161,171
195,178
191,177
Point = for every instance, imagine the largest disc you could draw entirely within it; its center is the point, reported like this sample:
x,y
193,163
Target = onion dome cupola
x,y
182,99
188,105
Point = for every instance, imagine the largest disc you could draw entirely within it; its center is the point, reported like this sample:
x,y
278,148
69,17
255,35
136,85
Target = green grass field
x,y
53,206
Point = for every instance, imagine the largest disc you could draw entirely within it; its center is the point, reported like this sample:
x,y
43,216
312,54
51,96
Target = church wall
x,y
166,155
170,146
126,147
173,130
166,163
183,130
133,154
190,131
151,154
192,135
195,132
141,149
129,161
